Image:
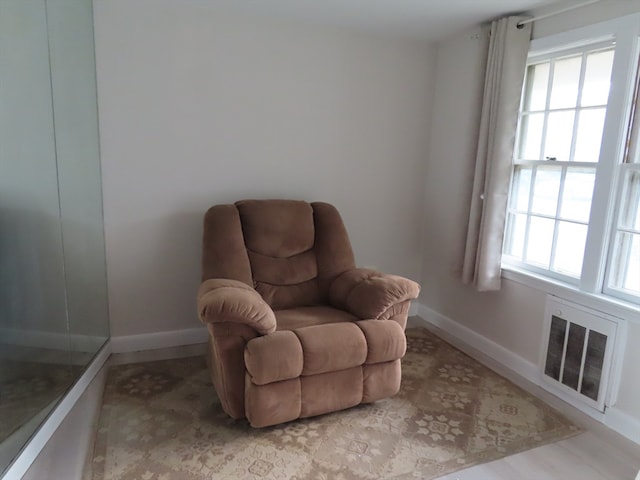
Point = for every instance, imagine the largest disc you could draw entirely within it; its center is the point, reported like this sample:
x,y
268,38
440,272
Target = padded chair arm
x,y
225,300
368,293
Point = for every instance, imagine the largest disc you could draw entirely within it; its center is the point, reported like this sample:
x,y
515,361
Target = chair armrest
x,y
368,293
224,300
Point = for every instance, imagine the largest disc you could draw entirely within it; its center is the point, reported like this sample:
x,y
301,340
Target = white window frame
x,y
625,31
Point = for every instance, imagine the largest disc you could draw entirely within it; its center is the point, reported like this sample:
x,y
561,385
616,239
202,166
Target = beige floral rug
x,y
162,421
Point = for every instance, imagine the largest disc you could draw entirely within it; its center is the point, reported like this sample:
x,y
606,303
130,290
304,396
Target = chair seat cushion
x,y
293,318
319,349
329,348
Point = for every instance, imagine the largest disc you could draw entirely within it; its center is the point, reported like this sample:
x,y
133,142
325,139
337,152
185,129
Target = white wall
x,y
199,106
449,174
513,317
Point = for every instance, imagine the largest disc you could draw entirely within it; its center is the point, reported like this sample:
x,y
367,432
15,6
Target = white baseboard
x,y
472,343
459,333
152,341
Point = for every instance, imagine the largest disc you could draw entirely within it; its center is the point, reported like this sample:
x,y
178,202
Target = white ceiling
x,y
426,19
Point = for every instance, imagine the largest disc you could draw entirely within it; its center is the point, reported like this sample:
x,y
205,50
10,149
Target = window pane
x,y
531,136
559,133
577,193
521,188
540,239
625,263
570,243
537,82
514,246
597,78
590,126
626,266
630,211
566,76
635,158
545,191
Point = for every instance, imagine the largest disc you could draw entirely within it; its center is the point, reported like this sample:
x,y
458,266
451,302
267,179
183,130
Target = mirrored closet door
x,y
53,292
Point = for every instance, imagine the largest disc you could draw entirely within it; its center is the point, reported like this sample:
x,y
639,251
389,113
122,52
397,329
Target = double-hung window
x,y
623,275
574,205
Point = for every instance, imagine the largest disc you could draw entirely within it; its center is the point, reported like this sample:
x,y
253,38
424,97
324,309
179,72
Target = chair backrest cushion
x,y
279,236
290,249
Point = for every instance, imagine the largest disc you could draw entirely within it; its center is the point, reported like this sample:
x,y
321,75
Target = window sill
x,y
600,302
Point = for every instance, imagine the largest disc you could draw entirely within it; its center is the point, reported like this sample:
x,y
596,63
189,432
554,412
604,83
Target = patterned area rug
x,y
162,421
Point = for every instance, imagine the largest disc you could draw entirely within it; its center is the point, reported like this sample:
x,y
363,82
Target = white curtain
x,y
504,76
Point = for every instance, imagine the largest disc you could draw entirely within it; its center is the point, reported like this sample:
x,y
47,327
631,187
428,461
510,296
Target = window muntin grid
x,y
560,129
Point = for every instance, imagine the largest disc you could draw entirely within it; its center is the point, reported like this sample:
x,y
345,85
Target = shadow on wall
x,y
154,274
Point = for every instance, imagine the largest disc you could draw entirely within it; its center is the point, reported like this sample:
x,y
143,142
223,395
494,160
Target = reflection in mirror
x,y
73,77
53,297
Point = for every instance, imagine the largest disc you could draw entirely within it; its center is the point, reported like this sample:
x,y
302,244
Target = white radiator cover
x,y
582,353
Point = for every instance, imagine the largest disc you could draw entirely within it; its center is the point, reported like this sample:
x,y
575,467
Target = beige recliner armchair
x,y
295,329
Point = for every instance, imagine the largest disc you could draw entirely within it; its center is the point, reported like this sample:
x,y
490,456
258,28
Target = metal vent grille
x,y
575,356
579,351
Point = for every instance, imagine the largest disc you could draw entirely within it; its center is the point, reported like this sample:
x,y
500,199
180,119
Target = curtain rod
x,y
557,12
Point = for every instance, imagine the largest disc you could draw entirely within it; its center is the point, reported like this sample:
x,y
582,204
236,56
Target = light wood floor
x,y
584,457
